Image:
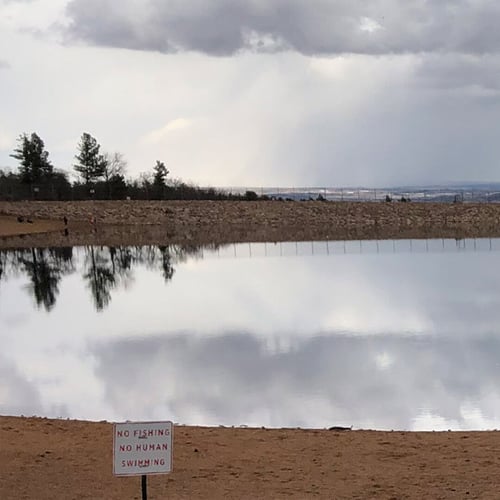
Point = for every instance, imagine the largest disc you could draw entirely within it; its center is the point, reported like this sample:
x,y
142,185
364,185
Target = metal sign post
x,y
144,484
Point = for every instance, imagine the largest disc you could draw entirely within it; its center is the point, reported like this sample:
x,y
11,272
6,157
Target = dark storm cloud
x,y
460,70
410,136
223,27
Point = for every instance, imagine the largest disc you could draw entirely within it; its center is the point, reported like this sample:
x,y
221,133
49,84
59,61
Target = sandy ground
x,y
62,459
65,459
181,222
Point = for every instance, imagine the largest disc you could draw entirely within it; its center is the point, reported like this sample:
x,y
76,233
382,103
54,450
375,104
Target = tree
x,y
145,183
91,164
35,165
115,165
114,173
60,185
160,174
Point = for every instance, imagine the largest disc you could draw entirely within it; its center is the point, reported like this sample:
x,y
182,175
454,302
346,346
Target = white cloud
x,y
159,135
7,141
369,25
35,16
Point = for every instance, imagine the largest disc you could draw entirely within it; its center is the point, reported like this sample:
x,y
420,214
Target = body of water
x,y
375,334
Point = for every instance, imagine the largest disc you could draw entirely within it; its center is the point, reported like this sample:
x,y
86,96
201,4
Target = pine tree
x,y
35,166
91,164
160,174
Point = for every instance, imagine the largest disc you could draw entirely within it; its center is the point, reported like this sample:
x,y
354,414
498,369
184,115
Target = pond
x,y
374,334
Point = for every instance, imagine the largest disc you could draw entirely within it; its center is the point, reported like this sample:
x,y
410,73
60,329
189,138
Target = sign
x,y
141,448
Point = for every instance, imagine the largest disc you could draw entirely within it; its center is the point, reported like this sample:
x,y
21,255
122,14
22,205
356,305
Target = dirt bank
x,y
62,459
186,222
11,226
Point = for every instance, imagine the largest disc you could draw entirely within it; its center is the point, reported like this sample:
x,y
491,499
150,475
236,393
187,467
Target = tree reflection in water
x,y
104,268
100,276
3,264
166,263
45,268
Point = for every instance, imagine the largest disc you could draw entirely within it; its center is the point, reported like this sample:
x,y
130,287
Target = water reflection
x,y
388,335
103,268
381,382
44,269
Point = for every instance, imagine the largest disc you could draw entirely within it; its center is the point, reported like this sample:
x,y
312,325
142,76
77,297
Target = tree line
x,y
99,175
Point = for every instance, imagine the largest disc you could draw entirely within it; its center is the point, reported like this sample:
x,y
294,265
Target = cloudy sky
x,y
259,92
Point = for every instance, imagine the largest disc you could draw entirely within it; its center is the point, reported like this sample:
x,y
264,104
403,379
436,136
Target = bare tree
x,y
146,182
116,165
114,171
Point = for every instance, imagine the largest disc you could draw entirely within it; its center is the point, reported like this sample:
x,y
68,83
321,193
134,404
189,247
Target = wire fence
x,y
438,194
340,247
53,191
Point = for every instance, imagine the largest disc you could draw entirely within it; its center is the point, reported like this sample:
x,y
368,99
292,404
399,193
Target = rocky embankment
x,y
196,222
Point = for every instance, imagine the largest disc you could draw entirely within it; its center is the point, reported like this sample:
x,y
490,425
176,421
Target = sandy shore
x,y
182,222
52,459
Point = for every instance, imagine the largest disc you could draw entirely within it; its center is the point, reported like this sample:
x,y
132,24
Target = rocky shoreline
x,y
117,223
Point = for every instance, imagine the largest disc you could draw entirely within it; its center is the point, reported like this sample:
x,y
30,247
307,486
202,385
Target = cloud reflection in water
x,y
371,335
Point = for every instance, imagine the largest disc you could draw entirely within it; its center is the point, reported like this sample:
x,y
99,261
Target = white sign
x,y
142,448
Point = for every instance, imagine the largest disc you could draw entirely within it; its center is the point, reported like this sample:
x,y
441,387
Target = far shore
x,y
117,223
